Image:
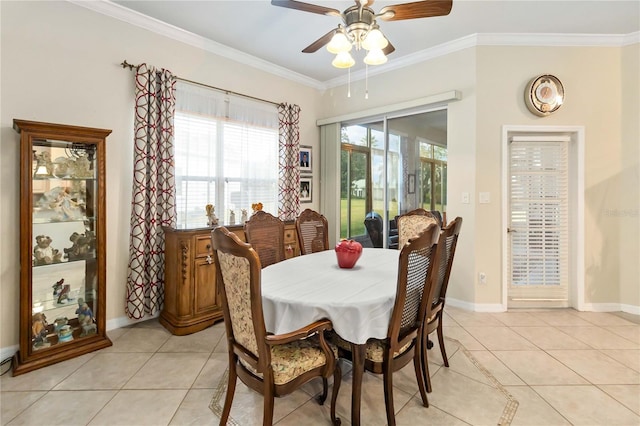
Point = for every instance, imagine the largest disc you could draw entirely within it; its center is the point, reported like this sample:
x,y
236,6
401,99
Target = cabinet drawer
x,y
203,246
290,236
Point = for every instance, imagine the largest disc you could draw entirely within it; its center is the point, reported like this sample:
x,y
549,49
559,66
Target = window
x,y
226,154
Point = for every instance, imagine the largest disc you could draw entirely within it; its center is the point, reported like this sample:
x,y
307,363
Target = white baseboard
x,y
8,352
125,321
475,307
612,307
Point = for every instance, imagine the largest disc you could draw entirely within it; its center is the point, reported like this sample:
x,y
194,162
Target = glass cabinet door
x,y
62,235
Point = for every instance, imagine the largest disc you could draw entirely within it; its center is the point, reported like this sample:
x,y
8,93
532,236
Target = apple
x,y
348,252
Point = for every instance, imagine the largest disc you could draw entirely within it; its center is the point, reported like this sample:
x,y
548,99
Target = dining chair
x,y
265,233
313,232
445,252
404,335
412,223
273,365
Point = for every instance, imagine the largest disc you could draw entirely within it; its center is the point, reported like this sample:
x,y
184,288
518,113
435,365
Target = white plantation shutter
x,y
538,229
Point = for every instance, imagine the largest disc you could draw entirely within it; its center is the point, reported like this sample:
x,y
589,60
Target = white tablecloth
x,y
358,301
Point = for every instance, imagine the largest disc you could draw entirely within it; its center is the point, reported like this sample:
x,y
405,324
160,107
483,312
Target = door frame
x,y
576,202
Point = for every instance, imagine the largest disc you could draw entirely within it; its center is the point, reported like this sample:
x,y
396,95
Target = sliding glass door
x,y
389,167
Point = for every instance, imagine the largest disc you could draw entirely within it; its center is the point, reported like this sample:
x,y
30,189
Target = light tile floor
x,y
539,367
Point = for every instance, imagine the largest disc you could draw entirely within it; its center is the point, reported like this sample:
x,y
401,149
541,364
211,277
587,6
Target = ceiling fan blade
x,y
313,47
306,7
416,9
389,49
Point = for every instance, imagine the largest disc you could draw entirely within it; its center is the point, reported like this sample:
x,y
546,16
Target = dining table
x,y
358,301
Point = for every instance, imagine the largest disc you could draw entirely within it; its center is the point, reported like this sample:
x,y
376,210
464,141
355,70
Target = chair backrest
x,y
238,277
313,232
447,243
413,223
265,233
415,270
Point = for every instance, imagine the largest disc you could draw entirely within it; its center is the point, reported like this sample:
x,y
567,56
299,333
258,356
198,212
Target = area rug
x,y
508,413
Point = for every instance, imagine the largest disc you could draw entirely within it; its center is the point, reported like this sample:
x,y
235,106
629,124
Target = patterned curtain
x,y
153,203
289,179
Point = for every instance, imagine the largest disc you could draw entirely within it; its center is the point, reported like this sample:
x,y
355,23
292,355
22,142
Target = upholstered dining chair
x,y
313,232
412,223
403,342
265,233
273,365
445,252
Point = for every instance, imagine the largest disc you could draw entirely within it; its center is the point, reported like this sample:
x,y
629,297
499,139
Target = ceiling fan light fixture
x,y
375,57
375,39
343,60
339,43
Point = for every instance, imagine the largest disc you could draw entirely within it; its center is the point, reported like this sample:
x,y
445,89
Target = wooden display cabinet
x,y
191,299
62,243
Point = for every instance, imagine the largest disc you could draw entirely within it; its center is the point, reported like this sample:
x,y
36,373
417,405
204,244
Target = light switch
x,y
484,198
465,198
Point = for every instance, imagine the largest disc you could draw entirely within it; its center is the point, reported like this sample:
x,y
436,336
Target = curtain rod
x,y
125,64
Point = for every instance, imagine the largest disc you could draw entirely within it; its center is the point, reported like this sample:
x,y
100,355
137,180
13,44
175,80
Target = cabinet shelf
x,y
62,243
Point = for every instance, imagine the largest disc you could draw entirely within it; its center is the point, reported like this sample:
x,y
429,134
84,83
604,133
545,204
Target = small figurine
x,y
83,246
57,287
44,166
212,220
85,318
243,218
256,207
59,323
65,295
232,217
39,330
43,253
65,334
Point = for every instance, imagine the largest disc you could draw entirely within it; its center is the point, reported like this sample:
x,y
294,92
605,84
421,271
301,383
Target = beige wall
x,y
60,63
492,81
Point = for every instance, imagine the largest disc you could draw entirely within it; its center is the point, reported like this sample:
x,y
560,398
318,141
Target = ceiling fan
x,y
360,29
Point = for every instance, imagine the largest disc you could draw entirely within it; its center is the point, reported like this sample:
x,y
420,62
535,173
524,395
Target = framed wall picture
x,y
305,189
305,159
411,184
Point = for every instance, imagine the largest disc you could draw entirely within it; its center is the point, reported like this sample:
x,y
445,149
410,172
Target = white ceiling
x,y
278,35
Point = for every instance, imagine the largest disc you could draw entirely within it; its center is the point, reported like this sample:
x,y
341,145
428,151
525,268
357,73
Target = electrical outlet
x,y
483,277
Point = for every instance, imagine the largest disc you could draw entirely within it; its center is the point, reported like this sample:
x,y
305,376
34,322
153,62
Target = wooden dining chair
x,y
445,252
273,365
403,341
313,232
265,233
412,223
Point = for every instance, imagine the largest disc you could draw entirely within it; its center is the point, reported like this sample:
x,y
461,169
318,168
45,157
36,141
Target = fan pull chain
x,y
366,81
349,84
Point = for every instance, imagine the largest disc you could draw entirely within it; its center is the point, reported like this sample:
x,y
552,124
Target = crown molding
x,y
132,17
138,19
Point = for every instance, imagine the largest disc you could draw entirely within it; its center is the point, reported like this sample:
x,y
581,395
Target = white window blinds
x,y
538,229
226,154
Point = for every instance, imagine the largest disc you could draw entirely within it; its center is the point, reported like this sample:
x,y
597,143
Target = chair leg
x,y
267,415
337,379
425,362
418,367
231,388
443,351
325,386
388,393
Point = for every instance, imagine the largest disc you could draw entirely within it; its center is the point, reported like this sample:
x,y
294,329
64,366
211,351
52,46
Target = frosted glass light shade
x,y
375,40
339,43
343,60
375,57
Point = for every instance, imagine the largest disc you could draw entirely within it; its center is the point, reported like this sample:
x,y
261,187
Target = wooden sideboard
x,y
191,299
